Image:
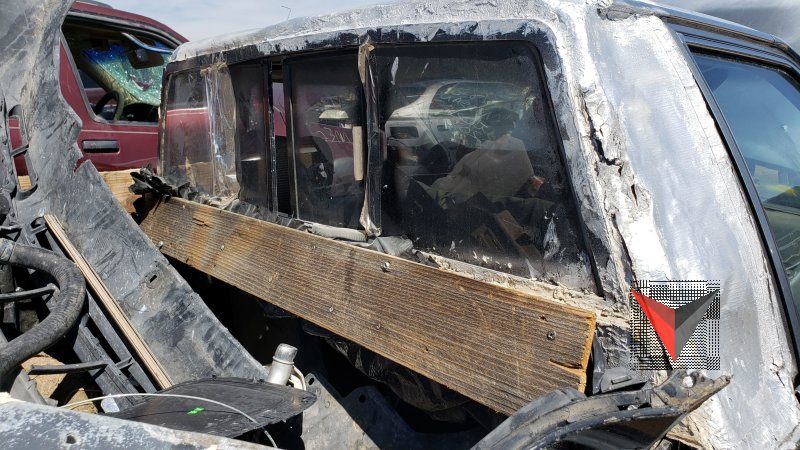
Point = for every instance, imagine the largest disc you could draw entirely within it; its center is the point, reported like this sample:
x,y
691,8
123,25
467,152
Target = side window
x,y
121,75
326,139
251,133
185,150
471,161
761,105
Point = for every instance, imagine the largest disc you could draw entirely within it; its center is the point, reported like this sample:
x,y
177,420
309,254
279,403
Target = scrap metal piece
x,y
267,403
627,419
25,426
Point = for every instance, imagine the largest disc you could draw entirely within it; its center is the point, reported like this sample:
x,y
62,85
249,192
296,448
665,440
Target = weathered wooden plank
x,y
118,181
498,346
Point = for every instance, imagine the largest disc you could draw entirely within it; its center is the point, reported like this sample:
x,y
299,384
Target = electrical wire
x,y
300,375
190,397
25,295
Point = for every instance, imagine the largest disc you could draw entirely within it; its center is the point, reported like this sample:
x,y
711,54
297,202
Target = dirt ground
x,y
63,388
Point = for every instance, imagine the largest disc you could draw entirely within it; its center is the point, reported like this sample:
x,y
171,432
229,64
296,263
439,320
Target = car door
x,y
112,79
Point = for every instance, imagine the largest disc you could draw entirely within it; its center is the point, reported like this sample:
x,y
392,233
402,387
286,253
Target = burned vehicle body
x,y
500,245
618,163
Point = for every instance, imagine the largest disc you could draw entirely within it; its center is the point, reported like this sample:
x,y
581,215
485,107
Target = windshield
x,y
121,73
114,70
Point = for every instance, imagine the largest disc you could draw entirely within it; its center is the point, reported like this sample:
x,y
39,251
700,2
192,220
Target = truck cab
x,y
111,68
586,147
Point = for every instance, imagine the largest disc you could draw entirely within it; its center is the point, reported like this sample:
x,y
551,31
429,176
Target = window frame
x,y
695,41
529,31
116,27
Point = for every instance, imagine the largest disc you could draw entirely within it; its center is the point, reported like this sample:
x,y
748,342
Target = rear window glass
x,y
472,168
185,156
464,159
199,145
327,139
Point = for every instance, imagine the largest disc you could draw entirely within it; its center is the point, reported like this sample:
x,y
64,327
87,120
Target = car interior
x,y
121,72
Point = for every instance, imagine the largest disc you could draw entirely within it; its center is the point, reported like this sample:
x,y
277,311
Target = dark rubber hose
x,y
65,306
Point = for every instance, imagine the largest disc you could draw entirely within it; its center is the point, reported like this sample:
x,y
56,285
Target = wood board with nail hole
x,y
500,347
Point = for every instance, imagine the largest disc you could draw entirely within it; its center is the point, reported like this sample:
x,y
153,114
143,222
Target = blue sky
x,y
198,19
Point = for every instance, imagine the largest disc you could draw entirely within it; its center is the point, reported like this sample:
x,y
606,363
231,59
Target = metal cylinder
x,y
282,364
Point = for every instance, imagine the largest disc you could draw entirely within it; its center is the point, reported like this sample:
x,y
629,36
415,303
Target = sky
x,y
197,19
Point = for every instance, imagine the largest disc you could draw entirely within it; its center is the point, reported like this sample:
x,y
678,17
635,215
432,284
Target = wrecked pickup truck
x,y
111,63
422,225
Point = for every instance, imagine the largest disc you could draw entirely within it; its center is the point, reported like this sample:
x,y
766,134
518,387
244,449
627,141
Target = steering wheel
x,y
98,107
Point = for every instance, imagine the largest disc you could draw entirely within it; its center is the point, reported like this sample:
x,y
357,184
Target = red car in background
x,y
111,68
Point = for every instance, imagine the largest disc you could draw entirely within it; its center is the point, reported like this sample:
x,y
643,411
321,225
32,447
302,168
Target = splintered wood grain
x,y
117,181
498,346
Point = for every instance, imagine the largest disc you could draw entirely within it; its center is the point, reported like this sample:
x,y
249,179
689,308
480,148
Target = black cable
x,y
25,295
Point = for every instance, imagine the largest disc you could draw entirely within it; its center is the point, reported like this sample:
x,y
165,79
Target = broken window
x,y
472,168
199,132
469,167
121,73
326,139
186,137
221,114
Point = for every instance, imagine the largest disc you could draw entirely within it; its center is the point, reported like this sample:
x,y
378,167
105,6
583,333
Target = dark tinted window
x,y
761,106
326,139
472,168
251,133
